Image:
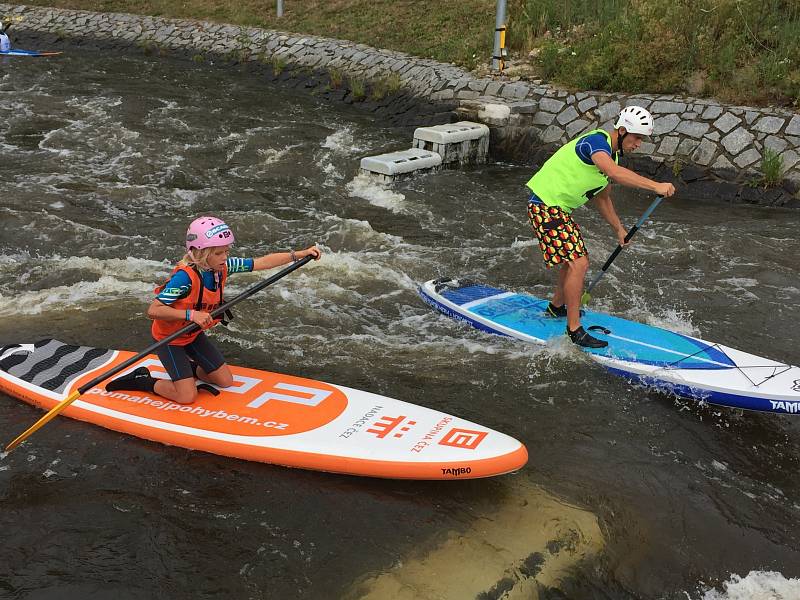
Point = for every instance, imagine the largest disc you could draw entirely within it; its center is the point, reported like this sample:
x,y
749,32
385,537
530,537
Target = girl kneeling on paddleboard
x,y
193,291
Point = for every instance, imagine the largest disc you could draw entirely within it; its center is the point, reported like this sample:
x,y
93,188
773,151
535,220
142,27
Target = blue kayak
x,y
657,357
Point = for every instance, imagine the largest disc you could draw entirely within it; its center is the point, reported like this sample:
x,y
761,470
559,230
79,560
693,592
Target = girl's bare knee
x,y
186,398
185,391
222,377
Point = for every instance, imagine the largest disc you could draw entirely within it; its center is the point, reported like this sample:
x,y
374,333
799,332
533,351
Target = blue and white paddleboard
x,y
18,52
656,357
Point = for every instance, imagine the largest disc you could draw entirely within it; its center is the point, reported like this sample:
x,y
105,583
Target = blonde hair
x,y
197,258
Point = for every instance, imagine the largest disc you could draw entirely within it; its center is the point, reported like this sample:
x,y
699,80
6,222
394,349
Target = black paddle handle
x,y
618,249
191,327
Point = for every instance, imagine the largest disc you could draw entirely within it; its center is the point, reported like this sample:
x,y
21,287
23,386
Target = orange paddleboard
x,y
266,417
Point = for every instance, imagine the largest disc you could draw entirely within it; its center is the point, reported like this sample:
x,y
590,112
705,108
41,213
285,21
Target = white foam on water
x,y
131,267
740,282
519,244
673,319
377,193
340,266
48,144
342,142
359,233
331,174
186,198
756,585
738,288
344,268
162,117
234,142
85,296
168,165
105,149
57,223
663,316
270,156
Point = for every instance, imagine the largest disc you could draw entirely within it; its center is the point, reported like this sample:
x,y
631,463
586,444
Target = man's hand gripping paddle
x,y
587,294
53,412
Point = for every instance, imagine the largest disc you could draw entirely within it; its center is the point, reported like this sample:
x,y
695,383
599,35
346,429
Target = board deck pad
x,y
681,364
266,417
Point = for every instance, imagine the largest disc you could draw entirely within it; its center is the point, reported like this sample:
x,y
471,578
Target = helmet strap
x,y
621,138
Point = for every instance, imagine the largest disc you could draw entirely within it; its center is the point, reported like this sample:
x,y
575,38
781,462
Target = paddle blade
x,y
586,298
51,414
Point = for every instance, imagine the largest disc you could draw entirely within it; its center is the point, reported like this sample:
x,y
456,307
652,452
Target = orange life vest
x,y
193,301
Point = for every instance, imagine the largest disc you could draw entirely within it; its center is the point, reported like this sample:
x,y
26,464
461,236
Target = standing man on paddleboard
x,y
578,172
5,41
193,291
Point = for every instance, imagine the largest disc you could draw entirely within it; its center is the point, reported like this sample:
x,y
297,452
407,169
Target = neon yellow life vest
x,y
565,180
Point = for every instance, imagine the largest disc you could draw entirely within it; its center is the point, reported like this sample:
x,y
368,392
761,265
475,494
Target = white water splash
x,y
377,194
757,585
271,155
342,142
129,267
86,295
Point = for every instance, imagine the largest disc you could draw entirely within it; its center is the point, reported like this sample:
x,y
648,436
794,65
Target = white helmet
x,y
636,120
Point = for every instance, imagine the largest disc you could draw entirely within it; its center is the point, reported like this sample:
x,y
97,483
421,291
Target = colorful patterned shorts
x,y
559,236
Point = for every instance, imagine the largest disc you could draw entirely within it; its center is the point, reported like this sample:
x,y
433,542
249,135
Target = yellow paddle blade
x,y
51,414
585,298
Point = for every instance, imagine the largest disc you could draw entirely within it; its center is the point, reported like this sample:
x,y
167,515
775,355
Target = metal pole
x,y
498,55
280,8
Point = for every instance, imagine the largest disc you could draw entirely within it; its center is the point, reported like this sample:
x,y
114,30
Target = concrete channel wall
x,y
711,150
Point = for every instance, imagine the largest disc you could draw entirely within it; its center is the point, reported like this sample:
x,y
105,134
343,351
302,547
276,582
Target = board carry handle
x,y
53,412
631,232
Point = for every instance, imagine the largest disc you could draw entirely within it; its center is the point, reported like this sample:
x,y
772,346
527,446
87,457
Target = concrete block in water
x,y
395,164
462,142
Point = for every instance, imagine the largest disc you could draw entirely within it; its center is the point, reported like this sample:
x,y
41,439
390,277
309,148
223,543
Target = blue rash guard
x,y
180,285
590,144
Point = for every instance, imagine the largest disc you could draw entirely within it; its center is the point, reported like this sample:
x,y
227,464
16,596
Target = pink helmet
x,y
207,232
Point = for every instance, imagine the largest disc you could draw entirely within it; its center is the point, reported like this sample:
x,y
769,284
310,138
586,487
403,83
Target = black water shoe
x,y
138,380
558,312
581,337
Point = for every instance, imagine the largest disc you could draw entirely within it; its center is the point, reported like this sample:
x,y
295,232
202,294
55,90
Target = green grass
x,y
336,77
358,88
771,168
743,51
740,51
383,86
278,65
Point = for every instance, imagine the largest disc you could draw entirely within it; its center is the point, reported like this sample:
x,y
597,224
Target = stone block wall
x,y
698,142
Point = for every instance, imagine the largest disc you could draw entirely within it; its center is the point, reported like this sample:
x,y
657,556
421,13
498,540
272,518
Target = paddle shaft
x,y
631,232
53,412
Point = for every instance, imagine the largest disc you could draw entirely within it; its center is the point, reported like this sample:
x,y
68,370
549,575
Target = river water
x,y
628,493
